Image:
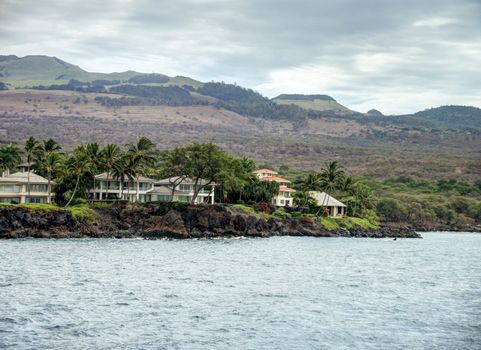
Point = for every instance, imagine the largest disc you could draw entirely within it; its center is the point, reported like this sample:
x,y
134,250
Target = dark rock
x,y
154,221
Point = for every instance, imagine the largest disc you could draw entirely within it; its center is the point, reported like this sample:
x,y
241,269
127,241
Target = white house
x,y
112,189
14,188
151,190
284,198
335,207
184,188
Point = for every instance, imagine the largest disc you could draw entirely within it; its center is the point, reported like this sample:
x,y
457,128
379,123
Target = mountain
x,y
374,113
314,102
454,117
72,105
37,70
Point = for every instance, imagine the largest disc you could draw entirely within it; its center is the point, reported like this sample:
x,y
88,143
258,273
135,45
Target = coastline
x,y
171,221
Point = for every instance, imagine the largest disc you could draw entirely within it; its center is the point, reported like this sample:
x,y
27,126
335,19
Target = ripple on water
x,y
276,293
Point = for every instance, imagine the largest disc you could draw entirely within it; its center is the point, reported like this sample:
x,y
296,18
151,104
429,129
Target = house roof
x,y
22,177
323,199
265,171
274,178
286,189
174,179
103,176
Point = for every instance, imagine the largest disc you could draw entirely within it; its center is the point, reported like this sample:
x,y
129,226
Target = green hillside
x,y
13,68
466,117
37,70
314,102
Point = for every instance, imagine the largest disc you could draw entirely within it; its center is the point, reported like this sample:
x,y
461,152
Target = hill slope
x,y
301,131
314,102
37,70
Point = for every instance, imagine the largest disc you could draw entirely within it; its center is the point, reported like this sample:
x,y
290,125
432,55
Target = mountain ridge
x,y
52,73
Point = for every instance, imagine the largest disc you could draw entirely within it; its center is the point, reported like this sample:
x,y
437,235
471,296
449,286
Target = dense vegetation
x,y
169,95
423,203
428,203
149,78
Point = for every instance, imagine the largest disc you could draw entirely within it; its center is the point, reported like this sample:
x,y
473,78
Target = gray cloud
x,y
398,56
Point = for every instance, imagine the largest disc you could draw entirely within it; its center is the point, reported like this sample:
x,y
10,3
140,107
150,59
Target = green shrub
x,y
281,214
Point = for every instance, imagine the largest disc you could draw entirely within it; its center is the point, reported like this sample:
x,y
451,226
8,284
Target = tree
x,y
261,191
348,185
207,164
49,145
32,148
331,178
238,174
363,198
94,154
10,157
203,163
303,199
121,171
174,163
311,182
109,156
142,155
51,165
78,165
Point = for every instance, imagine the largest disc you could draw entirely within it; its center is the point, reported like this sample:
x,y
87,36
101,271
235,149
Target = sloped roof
x,y
286,189
103,176
22,177
323,199
187,180
274,178
265,171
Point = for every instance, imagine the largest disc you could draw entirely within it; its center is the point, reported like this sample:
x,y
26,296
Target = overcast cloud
x,y
396,56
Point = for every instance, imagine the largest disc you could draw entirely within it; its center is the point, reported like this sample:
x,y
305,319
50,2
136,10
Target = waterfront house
x,y
335,207
14,188
150,190
284,197
109,188
184,188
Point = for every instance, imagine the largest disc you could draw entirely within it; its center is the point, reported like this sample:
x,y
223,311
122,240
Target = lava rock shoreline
x,y
154,221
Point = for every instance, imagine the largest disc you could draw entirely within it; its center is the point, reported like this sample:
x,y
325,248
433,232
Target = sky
x,y
395,56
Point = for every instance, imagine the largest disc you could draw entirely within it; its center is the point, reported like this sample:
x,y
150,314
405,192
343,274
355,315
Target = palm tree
x,y
142,155
51,164
32,148
121,171
110,155
77,164
50,145
303,199
363,197
331,179
348,184
10,157
95,158
311,182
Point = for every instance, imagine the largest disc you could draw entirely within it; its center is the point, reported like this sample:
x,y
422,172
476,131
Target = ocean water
x,y
274,293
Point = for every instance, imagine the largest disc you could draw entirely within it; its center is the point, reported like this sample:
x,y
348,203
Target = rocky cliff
x,y
154,221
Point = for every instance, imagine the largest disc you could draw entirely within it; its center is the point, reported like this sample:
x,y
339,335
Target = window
x,y
38,188
37,200
161,197
14,200
10,188
282,201
184,188
184,198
